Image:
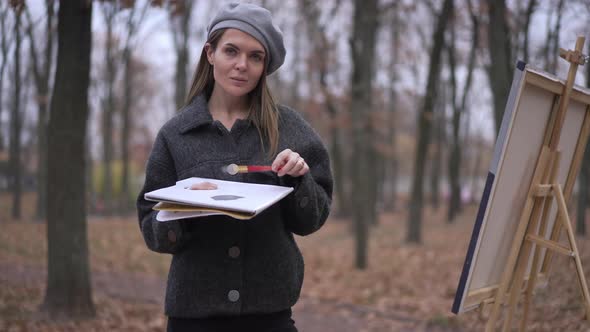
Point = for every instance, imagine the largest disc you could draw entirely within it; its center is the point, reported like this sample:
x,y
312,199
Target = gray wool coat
x,y
220,265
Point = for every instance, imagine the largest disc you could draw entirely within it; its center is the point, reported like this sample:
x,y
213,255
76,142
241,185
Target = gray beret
x,y
257,22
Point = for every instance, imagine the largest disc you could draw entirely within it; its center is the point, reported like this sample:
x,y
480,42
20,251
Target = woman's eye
x,y
230,51
257,57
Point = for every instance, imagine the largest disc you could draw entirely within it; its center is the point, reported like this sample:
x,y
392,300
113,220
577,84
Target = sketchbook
x,y
235,199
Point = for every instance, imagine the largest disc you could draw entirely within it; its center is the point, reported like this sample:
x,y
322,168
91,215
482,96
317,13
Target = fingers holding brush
x,y
289,162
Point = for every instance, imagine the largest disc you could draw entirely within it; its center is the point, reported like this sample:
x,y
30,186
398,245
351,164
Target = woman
x,y
227,274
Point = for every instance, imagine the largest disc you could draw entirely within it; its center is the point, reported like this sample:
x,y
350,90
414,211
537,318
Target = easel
x,y
532,225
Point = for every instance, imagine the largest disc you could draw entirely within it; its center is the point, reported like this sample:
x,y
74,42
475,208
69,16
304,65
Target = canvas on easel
x,y
520,160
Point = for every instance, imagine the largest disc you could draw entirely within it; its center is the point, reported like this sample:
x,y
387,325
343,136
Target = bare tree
x,y
294,96
4,49
438,131
321,58
109,12
180,17
459,108
15,117
362,47
392,171
425,122
479,150
530,9
551,50
500,68
69,292
41,70
134,21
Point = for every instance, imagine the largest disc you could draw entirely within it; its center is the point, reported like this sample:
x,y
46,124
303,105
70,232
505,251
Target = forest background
x,y
408,97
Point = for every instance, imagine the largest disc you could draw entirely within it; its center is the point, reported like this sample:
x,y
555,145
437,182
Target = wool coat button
x,y
171,236
233,295
303,202
234,252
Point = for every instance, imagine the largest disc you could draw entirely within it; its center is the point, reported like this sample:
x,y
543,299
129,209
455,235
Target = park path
x,y
310,315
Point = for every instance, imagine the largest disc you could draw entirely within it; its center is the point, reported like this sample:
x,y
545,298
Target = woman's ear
x,y
209,50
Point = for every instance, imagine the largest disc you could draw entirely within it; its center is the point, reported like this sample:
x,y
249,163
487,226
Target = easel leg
x,y
533,276
527,246
537,251
572,239
521,265
508,273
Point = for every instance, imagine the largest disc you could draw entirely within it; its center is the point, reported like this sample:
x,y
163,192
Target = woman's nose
x,y
241,62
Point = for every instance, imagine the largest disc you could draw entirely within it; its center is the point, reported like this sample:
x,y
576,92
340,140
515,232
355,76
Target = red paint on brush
x,y
255,168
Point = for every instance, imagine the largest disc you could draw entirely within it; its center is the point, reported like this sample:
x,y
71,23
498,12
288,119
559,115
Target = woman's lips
x,y
238,81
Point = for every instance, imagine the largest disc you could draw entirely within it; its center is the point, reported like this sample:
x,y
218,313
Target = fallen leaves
x,y
405,287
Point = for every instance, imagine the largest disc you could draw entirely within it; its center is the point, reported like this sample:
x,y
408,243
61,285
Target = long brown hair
x,y
263,109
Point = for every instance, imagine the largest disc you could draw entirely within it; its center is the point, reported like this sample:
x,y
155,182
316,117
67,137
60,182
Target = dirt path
x,y
310,315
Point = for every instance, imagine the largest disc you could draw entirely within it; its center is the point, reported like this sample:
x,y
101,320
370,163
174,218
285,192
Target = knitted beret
x,y
257,22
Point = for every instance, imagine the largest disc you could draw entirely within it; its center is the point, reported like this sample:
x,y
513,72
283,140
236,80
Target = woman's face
x,y
238,62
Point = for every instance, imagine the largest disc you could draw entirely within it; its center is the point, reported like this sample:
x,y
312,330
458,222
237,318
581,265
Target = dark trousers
x,y
275,322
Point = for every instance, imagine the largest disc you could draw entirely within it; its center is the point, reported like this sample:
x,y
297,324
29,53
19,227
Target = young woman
x,y
228,274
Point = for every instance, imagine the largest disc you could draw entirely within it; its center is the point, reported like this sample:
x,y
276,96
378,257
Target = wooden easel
x,y
532,226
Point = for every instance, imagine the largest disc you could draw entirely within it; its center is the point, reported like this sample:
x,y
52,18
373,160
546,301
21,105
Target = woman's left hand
x,y
290,163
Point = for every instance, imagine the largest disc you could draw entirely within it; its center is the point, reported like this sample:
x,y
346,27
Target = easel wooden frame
x,y
533,222
531,92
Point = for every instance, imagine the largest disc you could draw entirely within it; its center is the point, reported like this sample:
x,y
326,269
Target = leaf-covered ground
x,y
405,287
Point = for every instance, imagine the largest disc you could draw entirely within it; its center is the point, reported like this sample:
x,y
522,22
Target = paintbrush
x,y
234,169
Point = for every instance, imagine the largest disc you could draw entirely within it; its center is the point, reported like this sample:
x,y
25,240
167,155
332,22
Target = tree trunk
x,y
16,123
391,172
529,13
551,49
181,31
373,161
91,192
69,293
437,146
379,178
338,163
133,25
455,205
554,50
455,159
319,41
500,70
424,125
362,46
4,48
108,110
41,73
125,131
338,158
181,77
44,95
475,171
294,96
455,151
42,155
